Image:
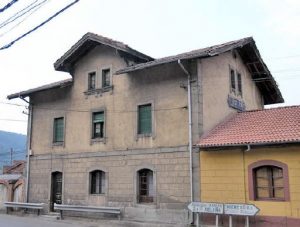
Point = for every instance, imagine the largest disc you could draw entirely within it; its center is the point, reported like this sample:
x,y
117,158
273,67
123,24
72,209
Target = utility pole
x,y
11,156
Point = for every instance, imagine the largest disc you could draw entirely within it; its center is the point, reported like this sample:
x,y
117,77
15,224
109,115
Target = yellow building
x,y
253,157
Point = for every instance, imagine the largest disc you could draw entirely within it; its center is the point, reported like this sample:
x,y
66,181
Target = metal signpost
x,y
209,208
240,209
219,208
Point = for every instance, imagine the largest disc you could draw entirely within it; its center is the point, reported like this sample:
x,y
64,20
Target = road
x,y
39,221
16,221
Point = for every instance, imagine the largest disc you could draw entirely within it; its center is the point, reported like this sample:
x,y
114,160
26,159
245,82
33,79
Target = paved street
x,y
35,221
16,221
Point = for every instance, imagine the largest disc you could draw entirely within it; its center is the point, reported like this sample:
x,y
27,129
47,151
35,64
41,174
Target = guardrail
x,y
92,209
35,206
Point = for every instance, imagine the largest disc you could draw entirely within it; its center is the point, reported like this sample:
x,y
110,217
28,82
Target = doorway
x,y
145,186
56,189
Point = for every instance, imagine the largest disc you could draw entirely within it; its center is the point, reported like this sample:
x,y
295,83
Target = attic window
x,y
236,87
232,81
105,77
239,84
92,81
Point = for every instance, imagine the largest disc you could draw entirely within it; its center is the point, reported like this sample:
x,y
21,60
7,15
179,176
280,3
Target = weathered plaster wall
x,y
216,88
159,85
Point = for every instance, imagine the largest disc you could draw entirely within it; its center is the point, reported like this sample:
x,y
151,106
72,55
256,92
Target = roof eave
x,y
24,94
59,65
246,144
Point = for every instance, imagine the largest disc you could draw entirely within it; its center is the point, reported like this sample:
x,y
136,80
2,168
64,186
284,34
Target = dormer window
x,y
105,78
92,81
99,81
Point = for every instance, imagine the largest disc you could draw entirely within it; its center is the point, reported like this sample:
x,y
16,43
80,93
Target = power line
x,y
88,111
13,104
17,120
8,5
13,18
38,26
285,57
15,26
16,16
287,70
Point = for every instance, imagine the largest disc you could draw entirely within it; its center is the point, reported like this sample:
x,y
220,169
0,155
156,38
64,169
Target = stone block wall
x,y
170,168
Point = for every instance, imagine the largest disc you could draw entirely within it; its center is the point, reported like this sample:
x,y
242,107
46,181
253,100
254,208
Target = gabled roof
x,y
87,43
59,84
250,55
269,126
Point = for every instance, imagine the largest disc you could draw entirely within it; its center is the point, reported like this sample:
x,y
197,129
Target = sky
x,y
157,28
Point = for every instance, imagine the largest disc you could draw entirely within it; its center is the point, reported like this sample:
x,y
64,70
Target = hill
x,y
14,142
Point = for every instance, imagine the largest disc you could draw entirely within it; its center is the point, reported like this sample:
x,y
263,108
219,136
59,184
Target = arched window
x,y
268,180
145,186
97,182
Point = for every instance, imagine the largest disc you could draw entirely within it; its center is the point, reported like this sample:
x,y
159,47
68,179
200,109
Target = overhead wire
x,y
16,16
17,120
38,26
8,5
18,24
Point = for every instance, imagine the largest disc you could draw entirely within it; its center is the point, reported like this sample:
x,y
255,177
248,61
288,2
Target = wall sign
x,y
236,103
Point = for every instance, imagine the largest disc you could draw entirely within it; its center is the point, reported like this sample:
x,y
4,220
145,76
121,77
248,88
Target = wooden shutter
x,y
59,129
144,119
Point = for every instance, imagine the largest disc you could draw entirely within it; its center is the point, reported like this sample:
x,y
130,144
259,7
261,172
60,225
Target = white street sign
x,y
240,209
211,208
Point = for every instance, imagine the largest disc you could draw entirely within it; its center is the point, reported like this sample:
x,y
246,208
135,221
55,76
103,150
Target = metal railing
x,y
92,209
35,206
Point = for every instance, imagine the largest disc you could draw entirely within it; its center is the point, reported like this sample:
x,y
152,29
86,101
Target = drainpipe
x,y
29,127
190,126
248,148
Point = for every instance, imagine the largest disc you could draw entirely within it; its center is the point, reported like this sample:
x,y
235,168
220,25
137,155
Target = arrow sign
x,y
210,208
240,209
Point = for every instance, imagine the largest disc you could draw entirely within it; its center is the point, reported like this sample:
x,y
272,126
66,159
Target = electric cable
x,y
18,24
16,16
38,26
8,5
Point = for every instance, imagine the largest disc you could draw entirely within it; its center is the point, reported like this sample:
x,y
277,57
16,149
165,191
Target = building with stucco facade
x,y
253,158
120,131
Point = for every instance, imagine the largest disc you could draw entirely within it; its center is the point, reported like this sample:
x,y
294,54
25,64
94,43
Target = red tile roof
x,y
276,125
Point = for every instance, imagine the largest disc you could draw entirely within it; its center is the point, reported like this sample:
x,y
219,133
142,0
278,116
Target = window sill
x,y
146,205
100,194
270,200
144,135
99,90
58,144
98,140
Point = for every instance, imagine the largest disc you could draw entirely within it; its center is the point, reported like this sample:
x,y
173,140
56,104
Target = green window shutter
x,y
59,129
98,125
98,117
144,119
